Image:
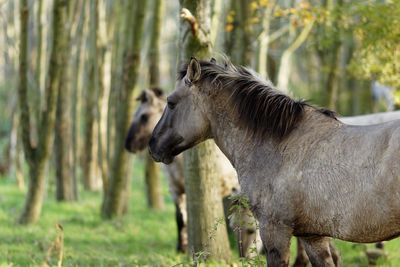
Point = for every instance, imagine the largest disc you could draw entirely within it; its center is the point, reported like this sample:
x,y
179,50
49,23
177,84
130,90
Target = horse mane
x,y
260,108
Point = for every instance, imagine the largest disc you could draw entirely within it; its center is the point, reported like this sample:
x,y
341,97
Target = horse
x,y
151,105
305,173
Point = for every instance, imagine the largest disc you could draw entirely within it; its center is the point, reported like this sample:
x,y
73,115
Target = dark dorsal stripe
x,y
260,108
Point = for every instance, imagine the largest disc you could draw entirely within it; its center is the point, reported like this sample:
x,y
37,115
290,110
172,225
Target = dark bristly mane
x,y
260,108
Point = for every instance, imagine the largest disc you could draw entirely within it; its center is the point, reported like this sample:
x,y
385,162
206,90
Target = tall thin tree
x,y
65,187
37,154
155,198
114,202
205,232
90,168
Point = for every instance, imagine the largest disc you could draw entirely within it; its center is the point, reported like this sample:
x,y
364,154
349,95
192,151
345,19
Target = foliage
x,y
377,30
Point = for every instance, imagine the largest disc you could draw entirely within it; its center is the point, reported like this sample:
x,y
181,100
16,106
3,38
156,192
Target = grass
x,y
142,238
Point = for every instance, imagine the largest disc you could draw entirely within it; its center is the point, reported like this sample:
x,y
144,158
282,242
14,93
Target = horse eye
x,y
171,105
144,118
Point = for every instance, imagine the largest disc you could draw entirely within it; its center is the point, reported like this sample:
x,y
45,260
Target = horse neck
x,y
234,141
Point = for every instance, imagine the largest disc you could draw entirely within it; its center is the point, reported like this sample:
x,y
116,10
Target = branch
x,y
188,16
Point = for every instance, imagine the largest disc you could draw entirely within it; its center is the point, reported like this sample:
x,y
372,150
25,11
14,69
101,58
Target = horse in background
x,y
151,105
306,174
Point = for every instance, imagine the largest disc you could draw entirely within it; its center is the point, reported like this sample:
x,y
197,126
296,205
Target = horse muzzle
x,y
163,152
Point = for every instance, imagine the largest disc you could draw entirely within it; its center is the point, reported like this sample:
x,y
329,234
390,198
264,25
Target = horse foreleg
x,y
181,223
318,251
335,254
276,240
301,257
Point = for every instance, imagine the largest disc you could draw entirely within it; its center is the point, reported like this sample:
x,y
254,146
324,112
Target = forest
x,y
84,82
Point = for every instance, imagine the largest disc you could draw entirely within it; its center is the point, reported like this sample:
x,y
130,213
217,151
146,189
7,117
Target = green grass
x,y
142,238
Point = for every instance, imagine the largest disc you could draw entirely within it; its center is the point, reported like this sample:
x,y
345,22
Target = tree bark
x,y
104,66
285,65
115,200
264,40
155,198
77,62
37,156
65,187
90,166
205,231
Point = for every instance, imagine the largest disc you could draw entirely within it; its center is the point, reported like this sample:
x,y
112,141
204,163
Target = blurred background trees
x,y
71,69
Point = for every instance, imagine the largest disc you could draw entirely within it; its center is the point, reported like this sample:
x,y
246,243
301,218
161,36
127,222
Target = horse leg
x,y
276,240
180,225
335,254
301,258
181,222
318,251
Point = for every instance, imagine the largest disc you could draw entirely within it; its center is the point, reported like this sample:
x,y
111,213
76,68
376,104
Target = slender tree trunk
x,y
37,156
115,202
206,231
284,68
116,75
38,66
77,34
65,187
155,198
104,93
264,41
90,166
63,153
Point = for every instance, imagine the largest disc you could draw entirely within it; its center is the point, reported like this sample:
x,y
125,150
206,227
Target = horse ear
x,y
157,91
193,70
142,97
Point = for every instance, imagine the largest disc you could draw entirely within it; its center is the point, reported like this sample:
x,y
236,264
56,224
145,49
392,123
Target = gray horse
x,y
151,105
305,173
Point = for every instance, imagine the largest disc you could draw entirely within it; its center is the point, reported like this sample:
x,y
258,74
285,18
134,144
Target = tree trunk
x,y
285,66
63,153
104,93
90,166
204,203
264,41
65,187
115,200
155,198
77,62
37,156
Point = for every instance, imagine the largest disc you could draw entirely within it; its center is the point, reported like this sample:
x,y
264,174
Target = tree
x,y
238,42
114,201
377,32
65,183
201,185
155,198
77,33
90,166
37,154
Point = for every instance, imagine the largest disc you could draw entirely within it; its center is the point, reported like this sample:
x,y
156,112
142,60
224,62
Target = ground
x,y
142,238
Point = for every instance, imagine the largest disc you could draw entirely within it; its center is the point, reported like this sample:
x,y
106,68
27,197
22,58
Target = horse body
x,y
311,174
304,172
338,180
